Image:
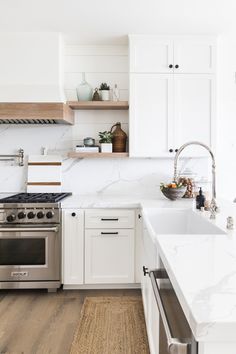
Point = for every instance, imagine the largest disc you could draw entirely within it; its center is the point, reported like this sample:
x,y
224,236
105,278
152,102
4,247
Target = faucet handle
x,y
230,223
213,209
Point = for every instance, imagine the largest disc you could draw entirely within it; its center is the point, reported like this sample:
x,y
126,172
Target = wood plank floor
x,y
37,322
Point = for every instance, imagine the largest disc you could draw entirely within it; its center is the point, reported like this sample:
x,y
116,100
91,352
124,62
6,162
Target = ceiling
x,y
109,21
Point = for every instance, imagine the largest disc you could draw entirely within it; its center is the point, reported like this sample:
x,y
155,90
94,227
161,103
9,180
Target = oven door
x,y
29,253
175,335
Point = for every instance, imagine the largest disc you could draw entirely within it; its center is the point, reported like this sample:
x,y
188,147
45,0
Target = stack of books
x,y
82,148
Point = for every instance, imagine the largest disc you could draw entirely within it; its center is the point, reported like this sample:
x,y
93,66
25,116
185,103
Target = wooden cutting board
x,y
44,174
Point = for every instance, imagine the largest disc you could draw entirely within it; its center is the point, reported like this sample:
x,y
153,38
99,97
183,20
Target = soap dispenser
x,y
200,200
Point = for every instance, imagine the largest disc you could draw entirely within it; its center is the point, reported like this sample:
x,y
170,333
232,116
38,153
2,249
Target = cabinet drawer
x,y
115,218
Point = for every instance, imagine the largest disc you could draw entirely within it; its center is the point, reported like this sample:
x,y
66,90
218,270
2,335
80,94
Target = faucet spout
x,y
213,206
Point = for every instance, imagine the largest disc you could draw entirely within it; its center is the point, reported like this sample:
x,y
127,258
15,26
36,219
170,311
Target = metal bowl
x,y
89,141
174,193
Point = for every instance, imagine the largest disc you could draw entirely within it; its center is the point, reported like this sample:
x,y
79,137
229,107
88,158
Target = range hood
x,y
31,79
36,113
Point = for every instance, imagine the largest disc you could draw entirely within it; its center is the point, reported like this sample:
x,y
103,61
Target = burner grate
x,y
35,198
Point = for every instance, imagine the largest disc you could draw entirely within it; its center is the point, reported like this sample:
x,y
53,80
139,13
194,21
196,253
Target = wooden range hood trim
x,y
56,112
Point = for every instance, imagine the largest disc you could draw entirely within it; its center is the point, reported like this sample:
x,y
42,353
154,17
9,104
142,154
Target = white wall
x,y
88,176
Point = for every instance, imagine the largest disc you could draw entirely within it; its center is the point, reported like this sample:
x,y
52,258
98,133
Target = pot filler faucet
x,y
213,205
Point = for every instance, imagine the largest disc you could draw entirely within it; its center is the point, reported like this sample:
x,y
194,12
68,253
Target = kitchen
x,y
110,234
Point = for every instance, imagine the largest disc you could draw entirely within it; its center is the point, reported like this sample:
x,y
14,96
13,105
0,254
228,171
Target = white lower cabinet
x,y
73,246
109,256
99,247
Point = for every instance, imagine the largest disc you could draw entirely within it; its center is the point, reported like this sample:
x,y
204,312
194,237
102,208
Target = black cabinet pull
x,y
176,66
109,233
114,219
145,271
170,66
139,216
171,150
73,214
176,150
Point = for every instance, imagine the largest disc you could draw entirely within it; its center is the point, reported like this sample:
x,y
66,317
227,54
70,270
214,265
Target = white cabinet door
x,y
109,256
150,55
73,246
151,114
195,55
194,112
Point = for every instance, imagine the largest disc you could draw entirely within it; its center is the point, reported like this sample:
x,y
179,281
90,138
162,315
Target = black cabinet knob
x,y
139,216
73,214
171,150
176,66
170,66
176,150
145,271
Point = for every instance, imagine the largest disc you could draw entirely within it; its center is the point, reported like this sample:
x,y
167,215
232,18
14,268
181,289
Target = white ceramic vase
x,y
105,95
106,147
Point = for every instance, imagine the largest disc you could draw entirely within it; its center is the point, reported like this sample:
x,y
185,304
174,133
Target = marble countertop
x,y
202,268
114,201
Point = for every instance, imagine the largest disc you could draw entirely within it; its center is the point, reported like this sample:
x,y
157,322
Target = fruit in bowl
x,y
173,190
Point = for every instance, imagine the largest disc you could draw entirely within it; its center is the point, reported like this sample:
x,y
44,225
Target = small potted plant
x,y
104,92
105,141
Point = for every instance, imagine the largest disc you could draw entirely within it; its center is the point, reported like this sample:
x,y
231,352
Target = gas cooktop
x,y
33,208
35,198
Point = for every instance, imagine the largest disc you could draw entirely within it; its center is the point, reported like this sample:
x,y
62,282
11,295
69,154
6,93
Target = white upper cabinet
x,y
154,54
148,54
151,105
171,106
195,55
194,109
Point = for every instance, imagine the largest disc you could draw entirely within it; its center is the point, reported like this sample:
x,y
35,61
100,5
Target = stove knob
x,y
21,215
50,214
40,214
11,218
31,215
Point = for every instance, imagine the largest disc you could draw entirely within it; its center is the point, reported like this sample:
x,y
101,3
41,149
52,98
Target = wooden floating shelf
x,y
119,105
81,155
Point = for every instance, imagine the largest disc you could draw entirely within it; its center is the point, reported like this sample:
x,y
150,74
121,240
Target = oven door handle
x,y
28,229
175,345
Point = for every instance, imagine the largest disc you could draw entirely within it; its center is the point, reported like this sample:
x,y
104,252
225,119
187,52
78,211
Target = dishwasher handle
x,y
175,345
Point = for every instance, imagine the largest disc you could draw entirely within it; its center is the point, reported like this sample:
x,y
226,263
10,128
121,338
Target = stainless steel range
x,y
30,240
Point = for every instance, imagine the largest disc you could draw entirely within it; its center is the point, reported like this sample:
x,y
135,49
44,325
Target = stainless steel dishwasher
x,y
175,335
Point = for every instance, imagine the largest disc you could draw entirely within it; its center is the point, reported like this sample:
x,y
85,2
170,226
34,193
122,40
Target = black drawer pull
x,y
109,233
104,219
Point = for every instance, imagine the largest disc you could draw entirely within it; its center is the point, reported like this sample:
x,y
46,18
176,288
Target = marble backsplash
x,y
86,176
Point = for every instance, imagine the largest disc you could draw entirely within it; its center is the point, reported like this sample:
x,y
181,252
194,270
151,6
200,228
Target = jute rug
x,y
111,325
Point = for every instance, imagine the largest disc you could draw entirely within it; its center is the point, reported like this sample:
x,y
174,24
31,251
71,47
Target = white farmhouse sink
x,y
180,221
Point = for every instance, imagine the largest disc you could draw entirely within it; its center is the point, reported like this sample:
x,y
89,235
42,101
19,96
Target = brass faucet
x,y
213,206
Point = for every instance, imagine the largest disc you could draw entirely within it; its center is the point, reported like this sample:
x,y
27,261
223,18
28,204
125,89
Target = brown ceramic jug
x,y
119,138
